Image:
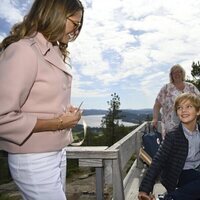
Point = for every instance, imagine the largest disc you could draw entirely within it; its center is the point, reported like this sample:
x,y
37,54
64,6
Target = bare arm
x,y
68,120
156,109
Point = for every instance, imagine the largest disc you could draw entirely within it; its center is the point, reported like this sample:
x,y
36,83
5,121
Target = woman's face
x,y
177,75
71,27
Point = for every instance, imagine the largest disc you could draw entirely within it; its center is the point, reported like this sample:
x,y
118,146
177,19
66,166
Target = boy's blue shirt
x,y
193,158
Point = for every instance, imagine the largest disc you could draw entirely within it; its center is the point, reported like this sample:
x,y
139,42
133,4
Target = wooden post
x,y
99,183
140,164
118,187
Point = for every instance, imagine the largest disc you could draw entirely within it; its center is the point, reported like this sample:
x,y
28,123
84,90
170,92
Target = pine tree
x,y
195,74
111,120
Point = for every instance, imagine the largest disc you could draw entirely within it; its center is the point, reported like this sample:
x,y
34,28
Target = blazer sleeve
x,y
18,70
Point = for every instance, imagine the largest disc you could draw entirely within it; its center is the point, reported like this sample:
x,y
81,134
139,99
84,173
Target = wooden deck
x,y
111,165
132,192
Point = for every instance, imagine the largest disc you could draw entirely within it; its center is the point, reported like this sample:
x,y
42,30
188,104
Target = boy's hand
x,y
145,196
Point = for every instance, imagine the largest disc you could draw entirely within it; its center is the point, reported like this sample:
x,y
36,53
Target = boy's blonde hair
x,y
194,99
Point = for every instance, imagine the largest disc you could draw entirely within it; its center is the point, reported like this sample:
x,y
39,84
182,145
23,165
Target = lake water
x,y
95,121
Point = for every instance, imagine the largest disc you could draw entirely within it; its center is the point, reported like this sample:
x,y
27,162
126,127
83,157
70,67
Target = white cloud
x,y
147,35
9,12
125,46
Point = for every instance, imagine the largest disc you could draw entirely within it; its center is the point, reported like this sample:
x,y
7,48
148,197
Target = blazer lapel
x,y
52,54
54,58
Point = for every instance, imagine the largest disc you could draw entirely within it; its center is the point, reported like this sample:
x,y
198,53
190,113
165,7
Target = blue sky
x,y
126,47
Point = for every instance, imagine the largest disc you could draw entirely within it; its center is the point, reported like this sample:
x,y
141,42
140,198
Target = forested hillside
x,y
128,115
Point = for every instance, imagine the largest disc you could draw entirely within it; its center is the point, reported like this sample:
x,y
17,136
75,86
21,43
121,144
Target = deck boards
x,y
131,192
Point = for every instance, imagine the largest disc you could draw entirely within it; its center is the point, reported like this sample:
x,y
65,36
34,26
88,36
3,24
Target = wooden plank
x,y
118,188
99,183
133,180
118,144
108,172
91,152
113,160
140,163
86,148
91,162
129,145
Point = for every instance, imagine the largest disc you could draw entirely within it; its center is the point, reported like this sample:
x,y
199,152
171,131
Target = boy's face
x,y
187,113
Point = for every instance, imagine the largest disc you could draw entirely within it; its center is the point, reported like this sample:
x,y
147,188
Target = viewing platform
x,y
114,167
117,167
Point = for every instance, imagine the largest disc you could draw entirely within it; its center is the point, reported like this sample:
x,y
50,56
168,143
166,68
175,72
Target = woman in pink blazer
x,y
35,90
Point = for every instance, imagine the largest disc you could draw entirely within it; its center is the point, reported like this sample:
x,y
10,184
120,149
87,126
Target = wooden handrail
x,y
111,160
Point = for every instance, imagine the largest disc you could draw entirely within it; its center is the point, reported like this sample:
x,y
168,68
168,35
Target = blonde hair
x,y
193,98
173,68
48,18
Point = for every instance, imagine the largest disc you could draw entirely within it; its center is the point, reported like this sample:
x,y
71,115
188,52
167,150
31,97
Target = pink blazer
x,y
34,83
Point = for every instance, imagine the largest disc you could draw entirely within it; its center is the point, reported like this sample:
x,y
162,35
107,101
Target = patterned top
x,y
166,97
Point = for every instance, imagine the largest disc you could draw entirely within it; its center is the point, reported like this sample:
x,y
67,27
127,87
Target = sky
x,y
125,47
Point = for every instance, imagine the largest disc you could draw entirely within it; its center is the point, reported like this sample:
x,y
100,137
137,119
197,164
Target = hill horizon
x,y
129,115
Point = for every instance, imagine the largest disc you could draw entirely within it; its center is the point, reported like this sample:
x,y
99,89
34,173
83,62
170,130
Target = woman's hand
x,y
64,121
145,196
155,123
156,109
74,109
71,118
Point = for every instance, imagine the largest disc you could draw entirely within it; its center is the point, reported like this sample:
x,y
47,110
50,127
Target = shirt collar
x,y
190,133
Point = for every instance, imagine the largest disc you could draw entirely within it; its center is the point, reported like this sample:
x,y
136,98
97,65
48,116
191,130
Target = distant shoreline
x,y
94,121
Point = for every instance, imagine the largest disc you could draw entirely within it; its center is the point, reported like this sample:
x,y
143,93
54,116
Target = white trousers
x,y
39,176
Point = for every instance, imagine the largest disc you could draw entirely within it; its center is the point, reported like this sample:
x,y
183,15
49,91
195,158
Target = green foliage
x,y
72,167
195,74
110,123
109,133
94,137
4,170
6,197
113,112
196,70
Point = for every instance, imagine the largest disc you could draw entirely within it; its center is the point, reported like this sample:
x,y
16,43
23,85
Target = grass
x,y
7,197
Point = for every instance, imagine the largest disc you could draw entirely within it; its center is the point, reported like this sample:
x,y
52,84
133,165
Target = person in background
x,y
166,97
36,115
177,161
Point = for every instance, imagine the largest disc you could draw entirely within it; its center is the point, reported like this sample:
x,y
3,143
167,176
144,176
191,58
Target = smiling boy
x,y
178,158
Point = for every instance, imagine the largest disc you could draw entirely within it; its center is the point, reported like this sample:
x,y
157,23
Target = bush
x,y
5,176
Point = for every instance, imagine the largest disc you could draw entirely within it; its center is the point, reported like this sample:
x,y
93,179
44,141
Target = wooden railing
x,y
110,163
